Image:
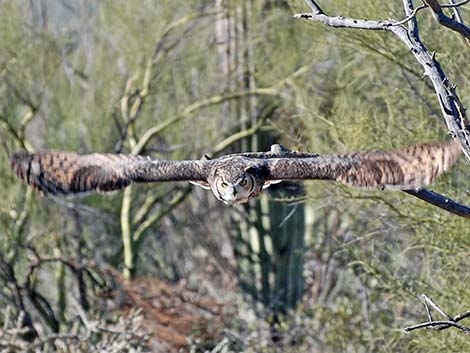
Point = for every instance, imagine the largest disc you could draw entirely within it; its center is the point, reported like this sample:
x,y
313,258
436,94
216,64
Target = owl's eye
x,y
224,184
243,182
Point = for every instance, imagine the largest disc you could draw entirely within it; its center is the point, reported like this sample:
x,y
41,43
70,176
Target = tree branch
x,y
457,15
411,15
155,218
413,23
133,98
452,109
343,22
447,21
455,5
190,111
441,201
439,324
239,135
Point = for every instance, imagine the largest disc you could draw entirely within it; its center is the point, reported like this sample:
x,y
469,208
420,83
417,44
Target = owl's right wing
x,y
409,168
57,172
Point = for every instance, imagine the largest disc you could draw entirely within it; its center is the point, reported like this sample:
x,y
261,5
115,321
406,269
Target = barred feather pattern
x,y
412,167
408,168
57,172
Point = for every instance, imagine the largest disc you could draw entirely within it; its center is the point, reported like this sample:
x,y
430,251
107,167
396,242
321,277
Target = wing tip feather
x,y
29,168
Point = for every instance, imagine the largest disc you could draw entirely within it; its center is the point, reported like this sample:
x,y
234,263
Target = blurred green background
x,y
313,267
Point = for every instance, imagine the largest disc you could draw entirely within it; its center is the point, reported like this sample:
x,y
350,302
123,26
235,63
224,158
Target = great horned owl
x,y
236,178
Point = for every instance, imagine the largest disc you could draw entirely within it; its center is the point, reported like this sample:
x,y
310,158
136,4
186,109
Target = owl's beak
x,y
230,195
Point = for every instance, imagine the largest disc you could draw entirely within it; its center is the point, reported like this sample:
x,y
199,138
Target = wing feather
x,y
408,168
57,172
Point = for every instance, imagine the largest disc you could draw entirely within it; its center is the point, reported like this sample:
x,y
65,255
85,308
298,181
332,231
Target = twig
x,y
439,324
457,4
429,302
413,23
239,135
133,98
411,16
419,8
458,16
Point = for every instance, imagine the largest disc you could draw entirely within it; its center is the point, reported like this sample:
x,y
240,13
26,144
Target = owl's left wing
x,y
409,168
58,172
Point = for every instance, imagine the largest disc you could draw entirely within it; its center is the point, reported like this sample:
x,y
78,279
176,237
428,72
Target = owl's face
x,y
238,188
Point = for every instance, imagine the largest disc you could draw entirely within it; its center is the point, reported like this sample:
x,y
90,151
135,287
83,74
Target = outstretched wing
x,y
408,168
58,172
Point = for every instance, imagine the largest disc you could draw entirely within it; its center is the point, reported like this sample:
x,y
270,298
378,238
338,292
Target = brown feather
x,y
407,168
58,172
68,172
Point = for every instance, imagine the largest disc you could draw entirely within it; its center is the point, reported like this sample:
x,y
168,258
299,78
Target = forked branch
x,y
439,325
446,21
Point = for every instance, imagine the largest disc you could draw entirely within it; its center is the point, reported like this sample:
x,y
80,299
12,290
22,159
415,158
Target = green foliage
x,y
70,78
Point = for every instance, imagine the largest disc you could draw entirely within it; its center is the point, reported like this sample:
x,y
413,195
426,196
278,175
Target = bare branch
x,y
413,24
411,16
447,21
453,5
441,201
429,302
439,324
343,22
452,109
458,16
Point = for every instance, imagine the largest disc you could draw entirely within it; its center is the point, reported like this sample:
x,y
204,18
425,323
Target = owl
x,y
236,178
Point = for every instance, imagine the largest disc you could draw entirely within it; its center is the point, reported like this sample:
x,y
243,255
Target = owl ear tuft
x,y
278,149
250,170
203,184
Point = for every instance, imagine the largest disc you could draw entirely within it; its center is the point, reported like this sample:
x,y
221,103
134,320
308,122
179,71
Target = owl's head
x,y
235,188
236,182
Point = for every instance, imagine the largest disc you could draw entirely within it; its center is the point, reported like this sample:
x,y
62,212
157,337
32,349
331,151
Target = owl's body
x,y
236,178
